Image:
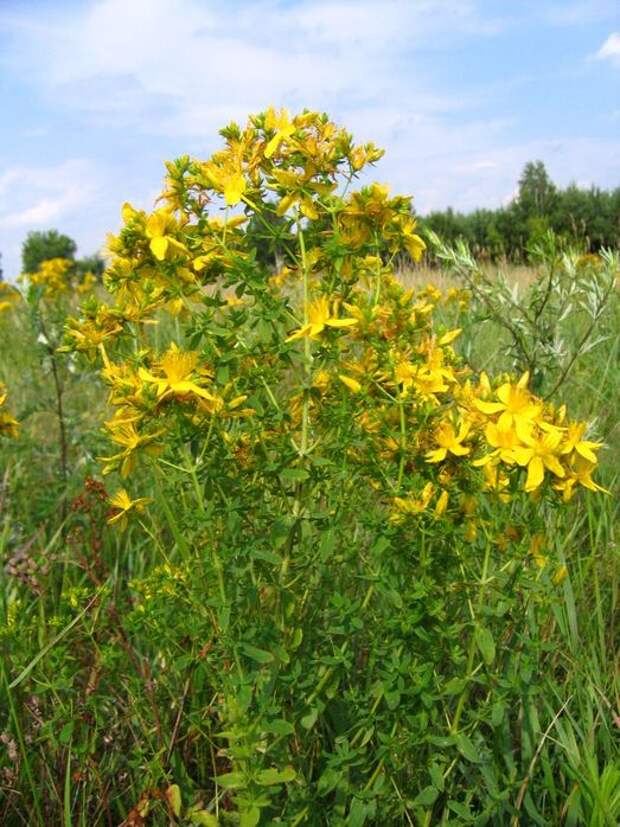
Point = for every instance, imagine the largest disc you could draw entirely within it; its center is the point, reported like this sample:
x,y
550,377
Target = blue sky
x,y
96,94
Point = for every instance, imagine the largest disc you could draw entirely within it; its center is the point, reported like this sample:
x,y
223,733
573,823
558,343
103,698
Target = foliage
x,y
42,246
569,288
344,594
587,218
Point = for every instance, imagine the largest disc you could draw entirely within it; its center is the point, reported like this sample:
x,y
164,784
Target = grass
x,y
85,726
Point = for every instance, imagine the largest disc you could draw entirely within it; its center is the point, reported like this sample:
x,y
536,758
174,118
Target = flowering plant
x,y
354,509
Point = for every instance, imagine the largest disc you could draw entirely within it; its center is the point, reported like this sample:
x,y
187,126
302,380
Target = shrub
x,y
349,526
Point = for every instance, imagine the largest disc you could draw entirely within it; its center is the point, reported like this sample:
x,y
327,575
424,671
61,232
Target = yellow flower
x,y
320,316
177,375
125,434
53,276
352,384
441,504
516,405
504,439
536,550
158,228
450,336
579,473
540,452
449,442
573,442
282,124
122,502
411,506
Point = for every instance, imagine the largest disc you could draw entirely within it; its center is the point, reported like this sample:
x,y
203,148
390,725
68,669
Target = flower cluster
x,y
57,277
329,353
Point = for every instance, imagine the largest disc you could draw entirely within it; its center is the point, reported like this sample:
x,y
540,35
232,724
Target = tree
x,y
42,246
90,264
537,192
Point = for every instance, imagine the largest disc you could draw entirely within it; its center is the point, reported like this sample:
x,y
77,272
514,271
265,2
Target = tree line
x,y
586,218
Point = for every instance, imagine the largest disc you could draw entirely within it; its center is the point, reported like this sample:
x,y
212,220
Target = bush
x,y
331,612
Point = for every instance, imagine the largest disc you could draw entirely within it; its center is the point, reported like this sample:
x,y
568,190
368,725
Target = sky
x,y
95,95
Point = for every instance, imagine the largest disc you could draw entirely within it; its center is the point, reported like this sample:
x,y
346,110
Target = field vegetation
x,y
332,542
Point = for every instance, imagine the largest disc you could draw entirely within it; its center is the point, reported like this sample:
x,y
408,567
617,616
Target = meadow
x,y
329,544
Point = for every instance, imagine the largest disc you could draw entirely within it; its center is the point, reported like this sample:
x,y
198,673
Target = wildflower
x,y
449,442
158,229
540,452
579,473
123,504
282,124
574,442
411,505
320,316
504,439
516,405
352,384
441,504
125,434
177,375
536,550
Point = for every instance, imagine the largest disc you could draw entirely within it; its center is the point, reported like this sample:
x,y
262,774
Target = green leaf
x,y
249,817
497,713
437,778
266,556
467,749
203,818
231,780
486,644
66,732
259,655
294,474
358,813
266,778
309,720
454,686
427,797
280,727
392,699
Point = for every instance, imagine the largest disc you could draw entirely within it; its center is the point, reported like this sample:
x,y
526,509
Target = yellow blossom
x,y
579,473
177,375
540,452
516,405
574,442
282,124
449,442
352,384
123,504
159,227
320,316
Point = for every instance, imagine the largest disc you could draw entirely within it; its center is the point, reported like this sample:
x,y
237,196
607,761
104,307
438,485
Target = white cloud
x,y
183,67
34,198
156,74
610,50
